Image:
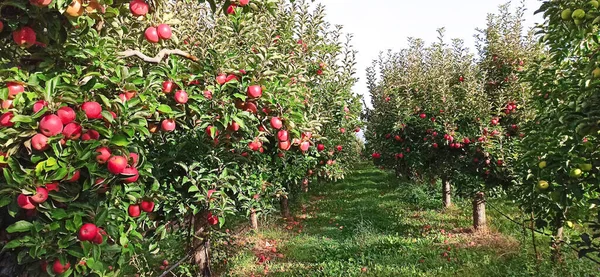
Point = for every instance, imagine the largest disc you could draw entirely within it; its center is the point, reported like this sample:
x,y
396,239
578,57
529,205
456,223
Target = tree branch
x,y
159,57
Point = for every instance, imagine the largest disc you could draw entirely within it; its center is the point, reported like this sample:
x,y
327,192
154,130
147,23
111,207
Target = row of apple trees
x,y
126,122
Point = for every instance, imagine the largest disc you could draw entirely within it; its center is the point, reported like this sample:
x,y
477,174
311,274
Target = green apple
x,y
575,173
596,72
543,185
578,14
585,167
566,14
542,164
593,3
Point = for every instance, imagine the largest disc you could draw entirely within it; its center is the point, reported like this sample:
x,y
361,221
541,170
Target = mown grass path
x,y
371,224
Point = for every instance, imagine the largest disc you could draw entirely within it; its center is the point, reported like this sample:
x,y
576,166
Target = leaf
x,y
19,227
165,109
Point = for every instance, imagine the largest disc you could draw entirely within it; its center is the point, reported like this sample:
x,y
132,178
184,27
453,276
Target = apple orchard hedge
x,y
123,123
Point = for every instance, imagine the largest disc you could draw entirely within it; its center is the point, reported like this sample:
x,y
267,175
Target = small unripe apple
x,y
543,185
542,164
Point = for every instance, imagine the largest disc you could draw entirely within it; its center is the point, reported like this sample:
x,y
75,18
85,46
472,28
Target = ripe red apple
x,y
164,31
116,164
320,147
339,148
39,105
221,79
147,206
40,196
342,130
244,2
208,94
51,125
14,89
255,145
181,97
90,135
251,107
52,187
231,77
283,135
151,35
165,263
134,158
103,154
167,125
304,146
276,123
5,119
59,268
72,131
212,219
98,239
231,9
25,202
40,3
131,175
167,86
87,232
129,94
461,79
6,104
92,110
1,26
138,7
75,178
285,145
233,127
422,115
24,37
134,211
254,91
39,142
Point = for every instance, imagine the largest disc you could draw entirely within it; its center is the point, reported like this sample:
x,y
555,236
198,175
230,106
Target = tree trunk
x,y
201,244
253,220
446,197
557,239
285,208
479,219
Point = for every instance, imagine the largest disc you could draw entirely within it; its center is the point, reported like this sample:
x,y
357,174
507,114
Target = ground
x,y
373,224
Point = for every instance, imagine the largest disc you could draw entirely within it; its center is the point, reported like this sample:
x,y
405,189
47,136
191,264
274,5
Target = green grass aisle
x,y
372,225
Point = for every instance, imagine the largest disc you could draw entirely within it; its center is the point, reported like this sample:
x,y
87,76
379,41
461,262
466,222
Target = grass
x,y
372,224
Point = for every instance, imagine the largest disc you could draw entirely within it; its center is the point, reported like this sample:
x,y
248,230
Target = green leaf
x,y
19,227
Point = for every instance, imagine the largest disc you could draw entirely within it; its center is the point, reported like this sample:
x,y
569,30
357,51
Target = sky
x,y
379,25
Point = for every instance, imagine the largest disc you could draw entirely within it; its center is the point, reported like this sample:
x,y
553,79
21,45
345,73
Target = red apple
x,y
87,232
208,94
221,79
285,145
98,239
51,125
52,187
7,104
167,125
422,115
116,164
231,9
212,219
254,91
5,119
251,107
90,135
151,35
134,158
231,77
255,145
1,26
134,211
181,97
276,123
66,115
24,37
40,196
167,86
39,142
138,7
14,89
282,135
233,127
164,31
339,148
72,131
40,3
304,146
92,110
25,202
131,175
244,2
76,176
320,147
59,268
147,206
103,154
39,105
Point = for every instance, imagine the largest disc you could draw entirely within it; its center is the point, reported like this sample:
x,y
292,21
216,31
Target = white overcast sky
x,y
378,25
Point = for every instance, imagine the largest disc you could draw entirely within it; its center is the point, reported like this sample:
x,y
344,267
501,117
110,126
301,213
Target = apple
x,y
207,94
134,211
543,185
75,177
167,86
212,219
40,196
66,115
320,147
210,192
129,94
14,89
422,115
116,164
255,145
92,110
282,135
461,79
38,106
5,119
103,154
147,206
542,164
87,232
164,31
285,145
134,158
231,9
59,268
75,9
251,107
51,125
131,175
209,131
231,77
167,125
24,37
25,202
434,145
339,148
221,79
304,146
181,97
39,142
254,91
138,7
98,239
151,35
165,263
586,167
6,104
233,127
575,173
90,135
276,123
1,26
342,130
244,2
52,187
72,131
